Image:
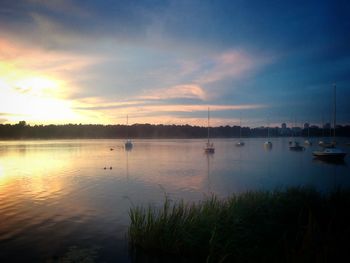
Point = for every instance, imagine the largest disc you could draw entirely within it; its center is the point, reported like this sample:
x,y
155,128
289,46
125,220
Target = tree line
x,y
84,131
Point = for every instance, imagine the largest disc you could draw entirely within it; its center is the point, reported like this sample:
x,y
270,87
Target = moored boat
x,y
209,147
330,153
295,146
268,144
240,143
128,144
308,142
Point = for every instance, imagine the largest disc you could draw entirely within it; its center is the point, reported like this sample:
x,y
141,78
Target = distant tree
x,y
22,124
22,130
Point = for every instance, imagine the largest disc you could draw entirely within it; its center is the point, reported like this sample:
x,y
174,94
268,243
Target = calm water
x,y
56,194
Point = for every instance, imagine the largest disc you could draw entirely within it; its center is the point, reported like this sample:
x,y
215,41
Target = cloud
x,y
62,6
157,112
54,35
22,64
186,91
194,108
99,103
150,105
231,64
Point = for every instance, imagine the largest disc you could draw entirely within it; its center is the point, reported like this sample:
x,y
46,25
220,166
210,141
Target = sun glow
x,y
36,85
1,171
34,99
40,86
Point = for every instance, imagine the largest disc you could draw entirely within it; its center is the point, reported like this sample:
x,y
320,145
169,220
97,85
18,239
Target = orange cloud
x,y
18,62
186,91
229,64
145,112
35,84
193,108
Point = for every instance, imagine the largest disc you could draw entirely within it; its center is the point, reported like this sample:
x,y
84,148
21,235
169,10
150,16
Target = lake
x,y
60,196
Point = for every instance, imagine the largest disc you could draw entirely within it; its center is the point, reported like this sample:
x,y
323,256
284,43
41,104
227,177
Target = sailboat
x,y
240,143
294,145
323,143
268,144
331,153
209,148
128,143
326,144
308,141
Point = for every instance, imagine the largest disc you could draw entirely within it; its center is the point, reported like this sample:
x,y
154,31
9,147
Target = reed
x,y
293,225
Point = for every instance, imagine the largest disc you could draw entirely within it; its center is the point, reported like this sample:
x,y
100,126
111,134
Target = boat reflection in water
x,y
295,146
268,145
335,161
128,145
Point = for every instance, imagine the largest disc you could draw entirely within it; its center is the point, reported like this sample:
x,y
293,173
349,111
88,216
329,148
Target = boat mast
x,y
240,126
127,126
322,126
334,109
208,125
268,131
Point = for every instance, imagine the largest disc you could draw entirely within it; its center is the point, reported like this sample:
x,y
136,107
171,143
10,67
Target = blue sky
x,y
167,61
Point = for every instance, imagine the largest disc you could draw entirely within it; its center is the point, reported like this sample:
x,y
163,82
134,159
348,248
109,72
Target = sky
x,y
166,62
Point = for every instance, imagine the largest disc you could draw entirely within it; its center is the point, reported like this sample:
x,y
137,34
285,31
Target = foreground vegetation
x,y
295,225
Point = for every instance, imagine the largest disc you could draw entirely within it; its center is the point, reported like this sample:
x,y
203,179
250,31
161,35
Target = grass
x,y
295,225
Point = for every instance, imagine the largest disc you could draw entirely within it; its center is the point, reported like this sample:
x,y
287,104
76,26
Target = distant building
x,y
296,130
283,130
327,126
306,125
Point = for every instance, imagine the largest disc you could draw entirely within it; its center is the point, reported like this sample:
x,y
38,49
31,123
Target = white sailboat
x,y
331,153
240,143
294,145
128,143
323,143
209,147
308,142
268,144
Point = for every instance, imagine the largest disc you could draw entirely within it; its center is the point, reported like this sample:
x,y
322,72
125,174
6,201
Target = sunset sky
x,y
66,61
